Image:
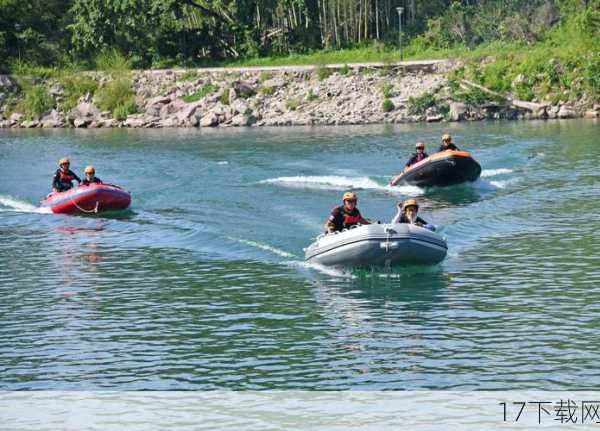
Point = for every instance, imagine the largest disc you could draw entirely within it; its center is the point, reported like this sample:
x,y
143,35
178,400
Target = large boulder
x,y
186,116
457,111
566,112
84,114
52,119
15,118
209,120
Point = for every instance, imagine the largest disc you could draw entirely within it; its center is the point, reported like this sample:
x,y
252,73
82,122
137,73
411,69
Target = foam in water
x,y
330,182
327,270
16,205
493,172
262,246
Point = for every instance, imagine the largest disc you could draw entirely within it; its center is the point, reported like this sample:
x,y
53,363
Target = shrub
x,y
35,102
387,105
112,61
310,96
265,76
122,111
418,105
76,86
205,90
292,104
224,97
323,72
269,91
386,90
115,94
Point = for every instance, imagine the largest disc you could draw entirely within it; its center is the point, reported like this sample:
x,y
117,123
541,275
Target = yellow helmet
x,y
64,161
410,203
350,196
89,170
447,137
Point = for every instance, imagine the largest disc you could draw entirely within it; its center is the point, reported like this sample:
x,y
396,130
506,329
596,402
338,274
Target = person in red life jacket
x,y
90,176
418,156
408,213
64,177
346,215
447,143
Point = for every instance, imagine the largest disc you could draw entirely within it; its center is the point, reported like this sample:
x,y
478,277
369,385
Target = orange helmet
x,y
350,196
410,203
64,161
89,170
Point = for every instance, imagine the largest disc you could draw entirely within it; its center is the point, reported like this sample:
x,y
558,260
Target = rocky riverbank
x,y
287,96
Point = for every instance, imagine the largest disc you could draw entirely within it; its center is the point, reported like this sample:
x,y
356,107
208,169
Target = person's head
x,y
446,139
420,147
410,208
350,199
64,163
89,172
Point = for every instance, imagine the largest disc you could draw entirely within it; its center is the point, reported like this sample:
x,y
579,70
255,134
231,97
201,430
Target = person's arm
x,y
98,180
76,177
55,182
420,222
411,161
330,223
398,215
363,220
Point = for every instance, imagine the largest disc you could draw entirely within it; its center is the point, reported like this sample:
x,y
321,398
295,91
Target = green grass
x,y
224,97
116,96
323,72
386,90
205,90
122,111
76,86
311,96
189,75
265,76
293,103
269,91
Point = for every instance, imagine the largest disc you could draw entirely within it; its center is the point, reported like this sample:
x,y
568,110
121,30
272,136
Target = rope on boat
x,y
94,211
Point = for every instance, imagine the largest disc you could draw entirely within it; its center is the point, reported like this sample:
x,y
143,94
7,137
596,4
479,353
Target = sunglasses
x,y
353,201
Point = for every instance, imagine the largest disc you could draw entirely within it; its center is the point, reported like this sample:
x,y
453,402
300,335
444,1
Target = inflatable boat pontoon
x,y
88,199
378,244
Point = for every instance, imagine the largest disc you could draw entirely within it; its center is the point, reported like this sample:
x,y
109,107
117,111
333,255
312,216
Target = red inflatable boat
x,y
88,199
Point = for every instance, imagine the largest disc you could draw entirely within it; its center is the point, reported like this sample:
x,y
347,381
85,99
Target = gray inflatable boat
x,y
378,245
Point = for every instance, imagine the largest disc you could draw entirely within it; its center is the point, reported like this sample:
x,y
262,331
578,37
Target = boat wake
x,y
331,182
486,173
264,247
11,204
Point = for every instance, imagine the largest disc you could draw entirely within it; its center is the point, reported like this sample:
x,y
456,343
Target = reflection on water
x,y
202,285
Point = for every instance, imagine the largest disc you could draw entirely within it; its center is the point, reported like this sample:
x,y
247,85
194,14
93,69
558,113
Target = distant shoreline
x,y
353,94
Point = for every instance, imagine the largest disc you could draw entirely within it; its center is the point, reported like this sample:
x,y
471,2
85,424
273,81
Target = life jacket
x,y
65,177
343,220
350,220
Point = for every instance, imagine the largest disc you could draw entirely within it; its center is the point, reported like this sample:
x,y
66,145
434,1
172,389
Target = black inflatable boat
x,y
441,169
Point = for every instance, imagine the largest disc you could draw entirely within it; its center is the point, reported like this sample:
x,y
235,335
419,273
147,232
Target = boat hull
x,y
378,245
88,199
445,168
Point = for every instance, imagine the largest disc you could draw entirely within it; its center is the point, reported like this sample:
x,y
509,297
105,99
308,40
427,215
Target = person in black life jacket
x,y
447,143
418,156
346,215
64,177
90,176
408,213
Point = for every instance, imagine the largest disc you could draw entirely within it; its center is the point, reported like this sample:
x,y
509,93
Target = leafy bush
x,y
205,90
269,91
388,105
344,70
292,104
35,102
418,105
224,97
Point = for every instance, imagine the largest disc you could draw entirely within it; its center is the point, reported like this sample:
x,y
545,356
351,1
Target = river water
x,y
202,285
